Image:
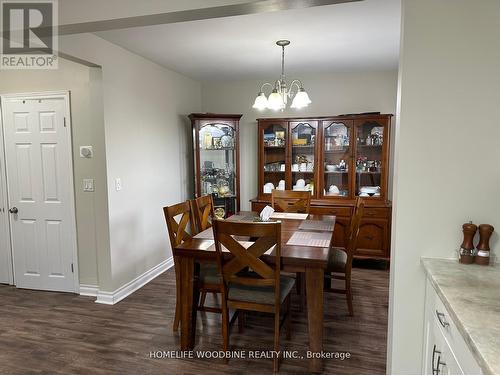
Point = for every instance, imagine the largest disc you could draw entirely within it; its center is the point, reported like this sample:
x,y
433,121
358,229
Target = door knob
x,y
14,210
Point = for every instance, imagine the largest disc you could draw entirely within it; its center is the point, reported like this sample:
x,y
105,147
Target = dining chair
x,y
203,212
208,280
340,259
202,209
295,202
263,289
291,201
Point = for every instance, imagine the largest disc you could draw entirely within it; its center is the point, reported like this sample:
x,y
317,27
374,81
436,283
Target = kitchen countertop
x,y
471,293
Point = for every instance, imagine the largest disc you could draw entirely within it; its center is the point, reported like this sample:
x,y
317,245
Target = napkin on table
x,y
266,213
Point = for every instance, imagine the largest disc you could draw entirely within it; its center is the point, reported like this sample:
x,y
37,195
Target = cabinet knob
x,y
442,319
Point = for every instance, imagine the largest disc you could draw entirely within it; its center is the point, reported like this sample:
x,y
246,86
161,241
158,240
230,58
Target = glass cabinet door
x,y
217,164
337,151
369,158
274,154
303,136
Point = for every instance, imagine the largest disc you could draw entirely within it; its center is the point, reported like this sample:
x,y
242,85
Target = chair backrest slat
x,y
291,201
177,230
267,237
352,238
203,212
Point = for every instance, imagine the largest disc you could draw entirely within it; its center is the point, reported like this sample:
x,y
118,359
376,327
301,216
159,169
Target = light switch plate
x,y
118,184
86,152
88,185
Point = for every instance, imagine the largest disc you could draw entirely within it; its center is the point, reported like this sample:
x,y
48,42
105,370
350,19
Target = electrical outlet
x,y
118,184
88,185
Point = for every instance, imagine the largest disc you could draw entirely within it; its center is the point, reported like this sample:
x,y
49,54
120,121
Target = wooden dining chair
x,y
263,289
203,212
340,259
291,201
295,202
208,280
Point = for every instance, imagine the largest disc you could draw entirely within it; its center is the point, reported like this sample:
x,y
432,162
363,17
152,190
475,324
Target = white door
x,y
37,138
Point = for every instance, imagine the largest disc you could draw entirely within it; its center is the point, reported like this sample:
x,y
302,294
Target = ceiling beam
x,y
263,6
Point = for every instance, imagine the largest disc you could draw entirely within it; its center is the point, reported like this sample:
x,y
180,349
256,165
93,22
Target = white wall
x,y
447,162
87,129
147,146
331,94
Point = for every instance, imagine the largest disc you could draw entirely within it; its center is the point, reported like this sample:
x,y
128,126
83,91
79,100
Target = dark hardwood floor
x,y
56,333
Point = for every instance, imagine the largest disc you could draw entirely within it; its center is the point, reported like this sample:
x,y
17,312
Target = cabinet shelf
x,y
218,149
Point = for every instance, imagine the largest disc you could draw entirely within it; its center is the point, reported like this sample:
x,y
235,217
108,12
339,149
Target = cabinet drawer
x,y
381,213
440,317
336,211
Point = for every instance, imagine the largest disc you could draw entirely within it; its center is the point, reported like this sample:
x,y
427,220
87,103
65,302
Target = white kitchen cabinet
x,y
445,351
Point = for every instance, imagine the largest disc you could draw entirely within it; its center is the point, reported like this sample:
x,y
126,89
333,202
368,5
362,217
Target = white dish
x,y
331,168
369,189
300,183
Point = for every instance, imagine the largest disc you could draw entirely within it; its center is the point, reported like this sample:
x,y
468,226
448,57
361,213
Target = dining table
x,y
310,260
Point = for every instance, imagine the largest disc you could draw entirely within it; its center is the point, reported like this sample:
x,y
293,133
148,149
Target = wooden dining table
x,y
312,261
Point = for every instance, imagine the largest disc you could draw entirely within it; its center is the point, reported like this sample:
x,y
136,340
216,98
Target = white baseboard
x,y
89,290
110,298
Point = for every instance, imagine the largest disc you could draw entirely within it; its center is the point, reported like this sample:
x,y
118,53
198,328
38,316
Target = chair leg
x,y
225,328
276,359
348,294
288,323
301,290
202,299
177,316
241,321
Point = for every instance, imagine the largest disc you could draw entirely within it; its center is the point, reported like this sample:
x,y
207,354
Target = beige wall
x,y
88,129
331,94
147,147
447,162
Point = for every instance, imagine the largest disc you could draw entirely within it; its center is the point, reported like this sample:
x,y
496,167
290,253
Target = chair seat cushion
x,y
209,273
337,259
260,294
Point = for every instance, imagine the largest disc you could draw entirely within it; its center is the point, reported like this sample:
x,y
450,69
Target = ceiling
x,y
349,37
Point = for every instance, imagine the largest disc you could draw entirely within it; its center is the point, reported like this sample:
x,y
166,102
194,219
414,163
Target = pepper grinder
x,y
467,247
483,247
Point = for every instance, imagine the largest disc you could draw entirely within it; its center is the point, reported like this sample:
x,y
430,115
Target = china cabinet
x,y
216,160
337,159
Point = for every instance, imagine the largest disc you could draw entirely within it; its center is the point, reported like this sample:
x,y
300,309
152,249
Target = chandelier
x,y
281,91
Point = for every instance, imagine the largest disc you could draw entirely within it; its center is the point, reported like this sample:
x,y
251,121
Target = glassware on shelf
x,y
369,159
336,159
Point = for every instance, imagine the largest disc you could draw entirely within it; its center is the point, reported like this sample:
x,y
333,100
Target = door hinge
x,y
65,122
72,268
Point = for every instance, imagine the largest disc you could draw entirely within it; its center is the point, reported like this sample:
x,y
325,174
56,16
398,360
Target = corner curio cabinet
x,y
336,159
216,160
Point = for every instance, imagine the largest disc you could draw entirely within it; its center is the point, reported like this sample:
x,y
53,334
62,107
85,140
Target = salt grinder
x,y
467,247
483,247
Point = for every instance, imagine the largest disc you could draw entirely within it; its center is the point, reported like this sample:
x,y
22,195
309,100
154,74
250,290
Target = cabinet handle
x,y
442,320
370,213
439,363
434,352
369,238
